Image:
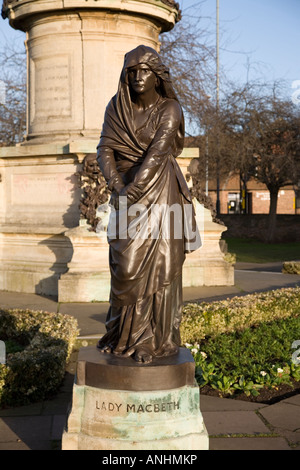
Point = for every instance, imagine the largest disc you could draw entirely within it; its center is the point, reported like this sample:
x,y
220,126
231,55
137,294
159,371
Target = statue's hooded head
x,y
122,101
119,113
147,55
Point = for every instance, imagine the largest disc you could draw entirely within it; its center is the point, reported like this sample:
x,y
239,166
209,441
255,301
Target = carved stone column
x,y
75,54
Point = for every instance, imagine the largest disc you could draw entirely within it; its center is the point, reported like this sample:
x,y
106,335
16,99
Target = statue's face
x,y
91,165
141,78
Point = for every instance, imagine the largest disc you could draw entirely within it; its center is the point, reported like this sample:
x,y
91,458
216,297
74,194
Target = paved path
x,y
231,424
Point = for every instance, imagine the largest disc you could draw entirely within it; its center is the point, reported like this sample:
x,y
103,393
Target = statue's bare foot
x,y
143,356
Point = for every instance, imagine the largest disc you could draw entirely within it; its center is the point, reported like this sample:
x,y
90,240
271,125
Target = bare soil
x,y
267,396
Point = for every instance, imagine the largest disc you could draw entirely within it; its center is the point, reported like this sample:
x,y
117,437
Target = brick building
x,y
232,200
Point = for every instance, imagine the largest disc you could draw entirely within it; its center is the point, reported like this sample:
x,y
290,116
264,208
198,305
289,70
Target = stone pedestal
x,y
207,266
88,275
39,199
75,52
119,404
42,248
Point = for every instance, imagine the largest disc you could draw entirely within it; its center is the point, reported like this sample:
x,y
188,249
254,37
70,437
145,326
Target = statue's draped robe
x,y
147,253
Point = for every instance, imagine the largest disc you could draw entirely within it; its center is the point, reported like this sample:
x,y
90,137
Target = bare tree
x,y
253,132
260,135
277,149
189,51
13,93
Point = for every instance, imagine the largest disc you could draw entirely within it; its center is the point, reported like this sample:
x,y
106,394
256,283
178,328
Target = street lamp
x,y
217,101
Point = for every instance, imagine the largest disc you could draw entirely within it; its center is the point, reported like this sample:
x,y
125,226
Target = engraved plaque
x,y
52,88
42,189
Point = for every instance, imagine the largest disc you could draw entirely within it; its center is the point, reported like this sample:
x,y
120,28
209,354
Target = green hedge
x,y
245,344
291,267
201,320
39,345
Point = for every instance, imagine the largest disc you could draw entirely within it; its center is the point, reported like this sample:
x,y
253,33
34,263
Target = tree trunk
x,y
272,215
243,195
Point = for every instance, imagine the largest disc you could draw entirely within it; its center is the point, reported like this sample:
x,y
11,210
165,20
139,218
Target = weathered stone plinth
x,y
119,404
42,248
207,266
39,199
88,275
75,52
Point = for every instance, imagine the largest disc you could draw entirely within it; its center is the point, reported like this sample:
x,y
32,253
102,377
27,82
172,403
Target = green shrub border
x,y
48,338
291,267
36,372
216,326
208,319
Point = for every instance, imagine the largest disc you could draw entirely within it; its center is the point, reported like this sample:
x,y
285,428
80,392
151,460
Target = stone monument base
x,y
119,404
88,275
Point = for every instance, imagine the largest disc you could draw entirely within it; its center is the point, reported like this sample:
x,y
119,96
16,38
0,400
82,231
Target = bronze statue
x,y
4,9
142,135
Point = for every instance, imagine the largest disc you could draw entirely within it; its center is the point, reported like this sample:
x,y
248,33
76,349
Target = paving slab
x,y
27,301
293,438
31,430
208,403
57,405
265,267
294,400
90,316
58,425
283,415
33,409
206,293
248,443
258,281
233,422
19,445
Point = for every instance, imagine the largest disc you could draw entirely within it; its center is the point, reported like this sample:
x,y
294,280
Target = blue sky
x,y
264,33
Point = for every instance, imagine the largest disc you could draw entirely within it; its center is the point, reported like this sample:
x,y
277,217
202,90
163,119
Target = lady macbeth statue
x,y
142,134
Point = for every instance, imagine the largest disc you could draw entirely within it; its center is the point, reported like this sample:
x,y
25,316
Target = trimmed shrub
x,y
201,320
291,267
39,345
245,344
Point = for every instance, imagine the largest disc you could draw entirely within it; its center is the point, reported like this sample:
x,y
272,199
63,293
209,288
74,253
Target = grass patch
x,y
252,251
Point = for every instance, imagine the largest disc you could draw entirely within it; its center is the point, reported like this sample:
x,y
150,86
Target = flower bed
x,y
245,345
201,320
42,344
